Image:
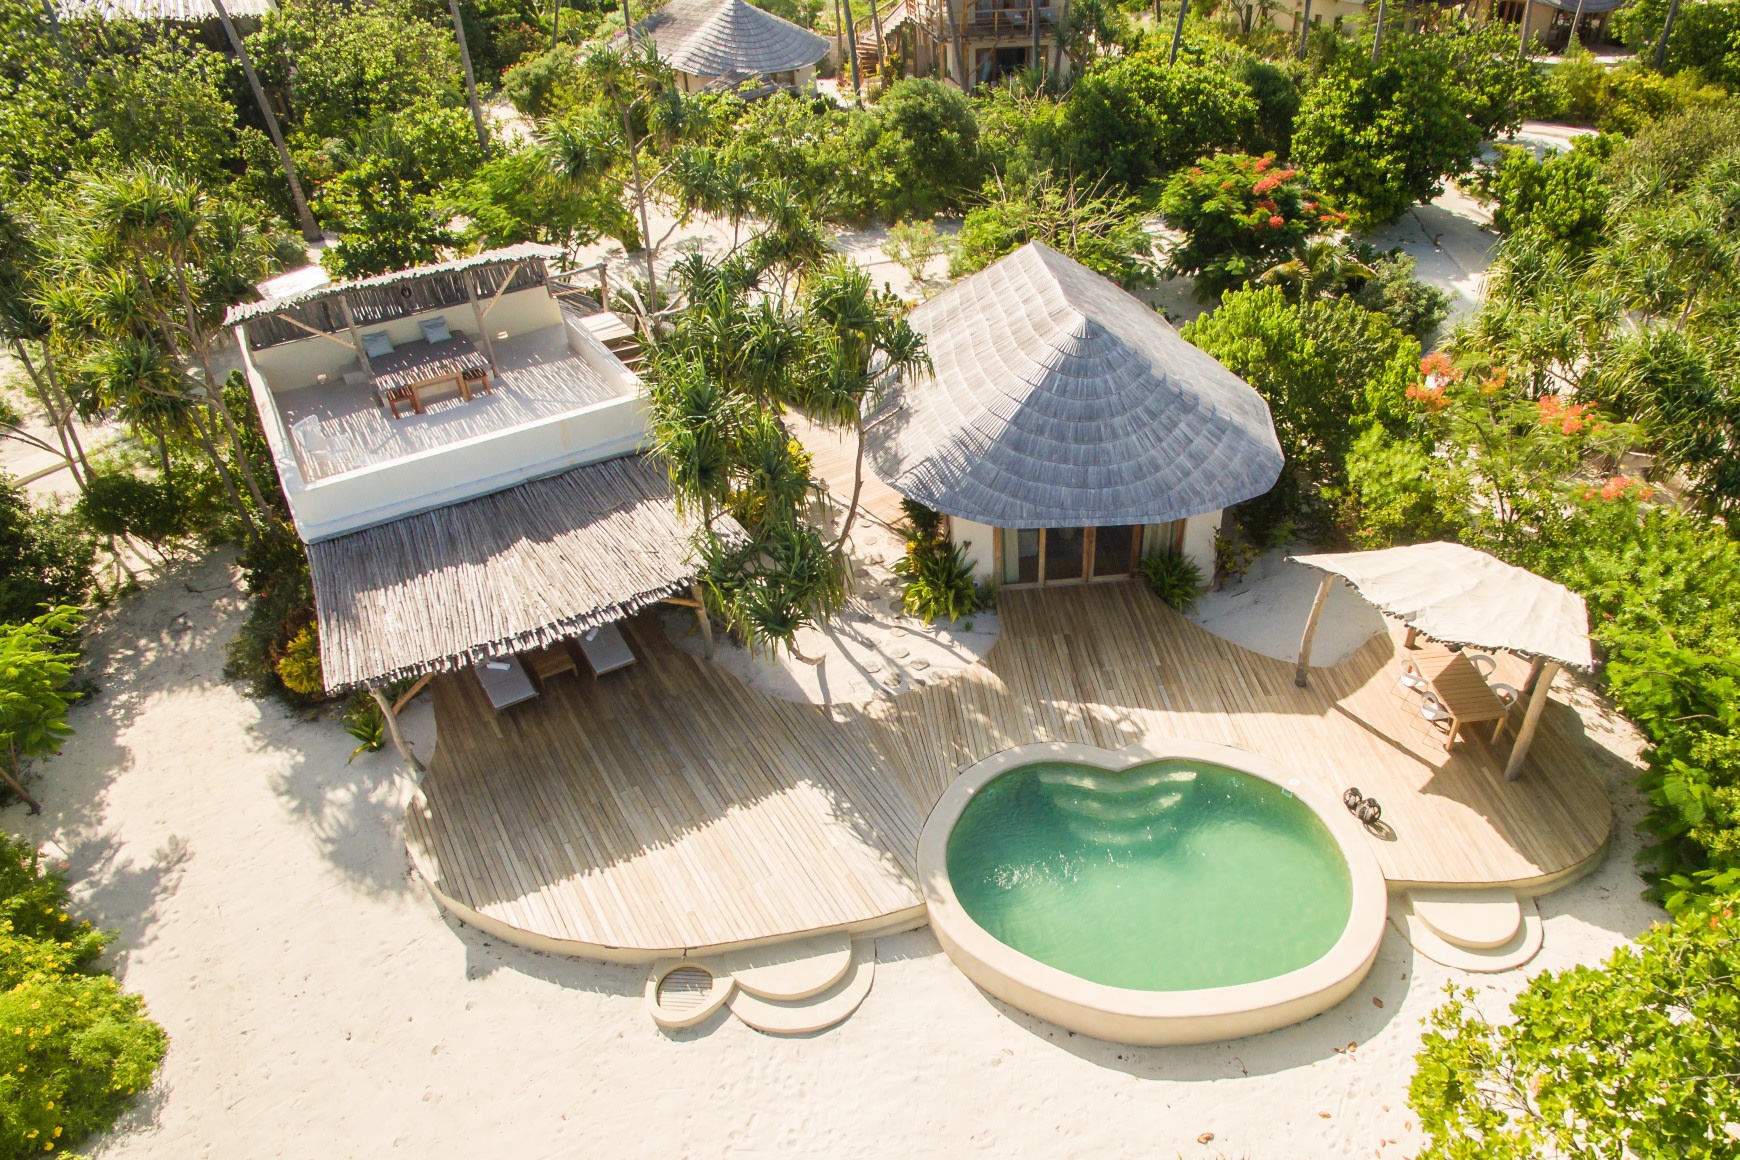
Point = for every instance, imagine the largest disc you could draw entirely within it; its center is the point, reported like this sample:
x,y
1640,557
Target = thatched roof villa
x,y
1067,430
712,43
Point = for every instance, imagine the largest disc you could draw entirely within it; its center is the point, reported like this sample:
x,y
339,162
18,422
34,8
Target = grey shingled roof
x,y
1059,400
518,569
727,38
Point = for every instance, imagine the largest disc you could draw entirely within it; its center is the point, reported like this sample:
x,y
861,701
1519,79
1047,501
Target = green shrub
x,y
275,572
1175,579
118,503
922,524
364,721
74,1048
939,581
46,556
1632,1058
299,667
537,85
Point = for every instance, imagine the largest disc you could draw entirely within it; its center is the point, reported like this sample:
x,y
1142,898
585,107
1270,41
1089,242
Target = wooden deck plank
x,y
671,806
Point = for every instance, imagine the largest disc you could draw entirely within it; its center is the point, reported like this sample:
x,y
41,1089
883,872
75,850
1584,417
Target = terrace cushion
x,y
377,343
435,330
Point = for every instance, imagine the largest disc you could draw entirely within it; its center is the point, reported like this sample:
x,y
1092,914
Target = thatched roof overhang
x,y
727,38
518,569
1058,399
175,11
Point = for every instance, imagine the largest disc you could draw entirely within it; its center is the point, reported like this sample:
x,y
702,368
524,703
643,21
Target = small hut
x,y
712,43
1067,430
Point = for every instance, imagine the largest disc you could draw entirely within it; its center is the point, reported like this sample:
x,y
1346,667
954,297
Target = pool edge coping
x,y
1128,1015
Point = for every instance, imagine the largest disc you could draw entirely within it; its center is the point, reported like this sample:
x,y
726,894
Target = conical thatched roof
x,y
1059,400
728,38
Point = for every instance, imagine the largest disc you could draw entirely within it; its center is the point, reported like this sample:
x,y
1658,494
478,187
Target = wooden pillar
x,y
362,354
701,615
1535,667
477,313
1531,720
393,731
1311,628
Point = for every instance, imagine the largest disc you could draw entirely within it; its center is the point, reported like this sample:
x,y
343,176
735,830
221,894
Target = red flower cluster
x,y
1432,398
1616,488
1438,367
1263,164
1276,221
1567,417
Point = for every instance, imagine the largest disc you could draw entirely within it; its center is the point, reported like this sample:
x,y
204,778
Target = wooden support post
x,y
1531,721
1534,677
1311,628
477,313
701,615
393,731
362,354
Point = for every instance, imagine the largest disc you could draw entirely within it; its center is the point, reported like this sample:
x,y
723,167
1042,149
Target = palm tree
x,y
1320,269
24,324
861,340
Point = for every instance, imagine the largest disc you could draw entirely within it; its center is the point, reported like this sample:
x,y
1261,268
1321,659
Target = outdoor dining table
x,y
1462,691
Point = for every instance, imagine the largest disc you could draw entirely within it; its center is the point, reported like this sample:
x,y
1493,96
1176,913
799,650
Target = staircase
x,y
1118,809
617,336
894,18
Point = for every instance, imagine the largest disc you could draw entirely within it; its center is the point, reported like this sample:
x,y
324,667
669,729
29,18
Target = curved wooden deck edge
x,y
1536,887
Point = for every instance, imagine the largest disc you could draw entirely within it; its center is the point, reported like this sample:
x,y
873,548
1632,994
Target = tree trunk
x,y
224,475
392,723
214,392
1033,52
1178,30
66,406
1057,54
556,26
852,47
23,794
1667,30
1304,29
470,79
310,231
1377,41
628,25
640,196
881,41
1576,19
1522,42
57,419
857,486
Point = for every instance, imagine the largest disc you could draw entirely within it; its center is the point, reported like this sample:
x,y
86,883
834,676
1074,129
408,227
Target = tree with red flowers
x,y
1240,215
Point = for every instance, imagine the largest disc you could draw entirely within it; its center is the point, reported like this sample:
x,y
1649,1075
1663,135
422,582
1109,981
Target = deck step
x,y
681,993
791,971
817,1012
1476,919
1519,949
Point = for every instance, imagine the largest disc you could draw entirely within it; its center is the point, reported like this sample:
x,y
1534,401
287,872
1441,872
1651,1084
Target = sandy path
x,y
320,1006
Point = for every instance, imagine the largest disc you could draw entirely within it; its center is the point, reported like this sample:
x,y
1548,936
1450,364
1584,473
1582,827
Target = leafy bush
x,y
299,667
1706,37
913,245
1134,119
36,677
1412,306
275,573
927,153
119,503
1175,579
46,556
922,524
364,721
1633,1058
75,1048
1103,233
537,85
1239,215
939,581
1623,100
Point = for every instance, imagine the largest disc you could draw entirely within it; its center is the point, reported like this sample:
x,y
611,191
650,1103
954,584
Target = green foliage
x,y
1134,119
1239,215
46,556
913,245
275,573
519,196
120,503
75,1048
1392,290
1633,1058
36,677
926,157
299,667
939,577
1102,232
1328,369
1564,196
1380,136
539,85
1706,36
1020,133
1392,497
364,721
1625,98
1175,579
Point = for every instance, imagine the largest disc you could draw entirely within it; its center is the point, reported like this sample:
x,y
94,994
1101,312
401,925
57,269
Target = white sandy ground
x,y
319,1005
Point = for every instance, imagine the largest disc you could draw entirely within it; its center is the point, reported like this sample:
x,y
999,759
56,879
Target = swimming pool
x,y
1156,895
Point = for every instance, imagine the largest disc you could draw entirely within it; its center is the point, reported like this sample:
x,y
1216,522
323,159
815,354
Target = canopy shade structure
x,y
1462,596
1058,399
518,569
727,38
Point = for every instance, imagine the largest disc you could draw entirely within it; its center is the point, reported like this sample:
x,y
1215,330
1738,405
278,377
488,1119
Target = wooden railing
x,y
566,287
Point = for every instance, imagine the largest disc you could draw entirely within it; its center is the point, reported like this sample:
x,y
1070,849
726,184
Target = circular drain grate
x,y
684,989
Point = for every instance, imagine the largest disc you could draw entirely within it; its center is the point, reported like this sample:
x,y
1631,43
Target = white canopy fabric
x,y
1459,595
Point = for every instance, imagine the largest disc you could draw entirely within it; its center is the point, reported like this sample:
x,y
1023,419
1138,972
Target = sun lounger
x,y
504,681
605,650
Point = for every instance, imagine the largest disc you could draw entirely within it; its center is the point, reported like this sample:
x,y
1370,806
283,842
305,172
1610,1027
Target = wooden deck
x,y
669,806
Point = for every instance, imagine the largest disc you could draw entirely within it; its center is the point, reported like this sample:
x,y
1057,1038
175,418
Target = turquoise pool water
x,y
1170,876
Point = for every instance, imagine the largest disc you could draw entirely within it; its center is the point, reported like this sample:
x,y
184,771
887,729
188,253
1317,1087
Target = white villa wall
x,y
1199,533
979,545
465,468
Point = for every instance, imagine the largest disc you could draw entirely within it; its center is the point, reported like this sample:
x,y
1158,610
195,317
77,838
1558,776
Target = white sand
x,y
319,1005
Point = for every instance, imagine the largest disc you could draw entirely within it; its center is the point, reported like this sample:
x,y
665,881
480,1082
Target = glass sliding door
x,y
1021,556
1115,551
1065,555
